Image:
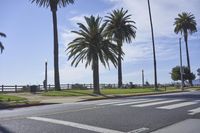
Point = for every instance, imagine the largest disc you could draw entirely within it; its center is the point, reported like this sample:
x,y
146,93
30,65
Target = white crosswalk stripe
x,y
194,111
178,105
155,103
121,101
138,102
158,103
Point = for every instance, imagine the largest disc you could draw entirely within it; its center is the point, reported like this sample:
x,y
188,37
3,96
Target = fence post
x,y
16,88
67,86
2,87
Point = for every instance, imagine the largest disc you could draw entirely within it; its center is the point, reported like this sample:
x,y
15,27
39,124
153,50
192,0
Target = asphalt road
x,y
178,112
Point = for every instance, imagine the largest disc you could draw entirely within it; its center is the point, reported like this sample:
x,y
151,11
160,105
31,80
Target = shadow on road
x,y
4,130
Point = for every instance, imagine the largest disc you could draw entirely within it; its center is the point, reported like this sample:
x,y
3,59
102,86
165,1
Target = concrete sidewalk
x,y
61,99
50,99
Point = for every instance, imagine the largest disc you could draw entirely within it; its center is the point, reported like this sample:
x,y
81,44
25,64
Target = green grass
x,y
9,101
196,88
9,98
76,92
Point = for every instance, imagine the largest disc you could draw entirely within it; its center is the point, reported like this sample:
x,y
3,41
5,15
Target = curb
x,y
124,96
23,105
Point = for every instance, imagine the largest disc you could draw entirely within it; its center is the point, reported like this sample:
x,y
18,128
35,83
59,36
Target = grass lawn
x,y
9,98
107,92
196,88
12,101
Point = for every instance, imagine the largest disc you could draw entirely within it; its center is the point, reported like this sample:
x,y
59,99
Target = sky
x,y
29,41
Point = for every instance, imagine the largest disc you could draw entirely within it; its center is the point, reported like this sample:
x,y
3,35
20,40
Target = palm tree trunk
x,y
187,53
56,60
154,52
96,76
120,65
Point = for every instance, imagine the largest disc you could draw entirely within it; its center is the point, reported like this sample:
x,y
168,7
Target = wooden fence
x,y
26,88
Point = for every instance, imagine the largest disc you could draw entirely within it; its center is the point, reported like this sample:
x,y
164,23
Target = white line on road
x,y
194,111
155,103
84,126
136,102
139,130
121,101
76,125
174,106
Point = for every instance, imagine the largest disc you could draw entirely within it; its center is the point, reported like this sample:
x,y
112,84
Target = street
x,y
139,114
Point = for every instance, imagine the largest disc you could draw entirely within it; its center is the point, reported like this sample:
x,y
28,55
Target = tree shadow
x,y
83,93
4,130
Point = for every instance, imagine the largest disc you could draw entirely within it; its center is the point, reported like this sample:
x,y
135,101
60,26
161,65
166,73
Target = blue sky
x,y
29,40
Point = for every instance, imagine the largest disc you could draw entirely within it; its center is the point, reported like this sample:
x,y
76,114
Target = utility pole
x,y
142,78
154,52
181,66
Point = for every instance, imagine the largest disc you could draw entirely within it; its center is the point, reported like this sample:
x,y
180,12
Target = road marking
x,y
121,101
174,106
139,130
155,103
76,125
136,102
194,111
84,126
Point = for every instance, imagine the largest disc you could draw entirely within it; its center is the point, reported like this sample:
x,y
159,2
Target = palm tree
x,y
92,46
54,4
185,23
154,51
1,45
121,29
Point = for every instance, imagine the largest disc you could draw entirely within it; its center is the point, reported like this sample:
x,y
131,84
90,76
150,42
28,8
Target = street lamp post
x,y
45,81
181,66
154,51
142,78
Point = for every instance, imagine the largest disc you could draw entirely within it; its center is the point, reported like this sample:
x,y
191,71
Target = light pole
x,y
181,66
154,51
142,78
45,81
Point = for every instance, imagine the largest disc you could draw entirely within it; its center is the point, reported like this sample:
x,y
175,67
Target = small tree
x,y
198,72
187,75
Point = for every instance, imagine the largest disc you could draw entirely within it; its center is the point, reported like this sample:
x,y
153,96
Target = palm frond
x,y
2,34
1,47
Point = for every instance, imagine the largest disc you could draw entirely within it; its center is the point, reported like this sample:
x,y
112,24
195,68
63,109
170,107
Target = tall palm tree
x,y
92,46
1,45
54,4
185,23
121,29
154,51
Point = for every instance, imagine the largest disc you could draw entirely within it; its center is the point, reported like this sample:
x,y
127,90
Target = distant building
x,y
196,82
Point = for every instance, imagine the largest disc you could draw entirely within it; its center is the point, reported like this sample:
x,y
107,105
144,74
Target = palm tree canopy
x,y
120,26
1,45
52,3
185,23
92,44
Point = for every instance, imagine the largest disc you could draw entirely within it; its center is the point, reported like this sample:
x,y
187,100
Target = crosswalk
x,y
157,103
